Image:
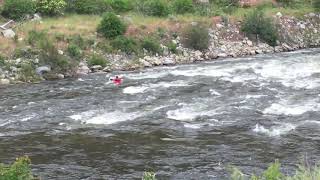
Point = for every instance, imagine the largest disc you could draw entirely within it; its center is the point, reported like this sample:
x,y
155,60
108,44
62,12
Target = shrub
x,y
155,8
17,9
196,37
2,61
316,5
121,5
260,26
89,6
152,45
77,40
97,60
20,169
149,176
111,26
34,37
27,73
183,6
172,47
74,50
125,44
51,7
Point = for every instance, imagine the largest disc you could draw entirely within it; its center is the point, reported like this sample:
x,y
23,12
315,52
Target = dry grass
x,y
7,46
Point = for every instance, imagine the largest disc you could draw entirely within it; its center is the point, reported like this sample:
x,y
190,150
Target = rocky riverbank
x,y
226,40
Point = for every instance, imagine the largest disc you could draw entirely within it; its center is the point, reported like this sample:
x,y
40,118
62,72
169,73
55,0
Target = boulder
x,y
96,68
279,14
168,61
8,33
43,69
83,69
60,76
4,81
36,17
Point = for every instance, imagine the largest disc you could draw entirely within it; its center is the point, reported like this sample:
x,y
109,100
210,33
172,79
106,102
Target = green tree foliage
x,y
125,44
88,6
121,5
257,24
20,169
155,8
316,5
18,9
182,6
151,45
97,60
51,7
196,37
111,26
74,51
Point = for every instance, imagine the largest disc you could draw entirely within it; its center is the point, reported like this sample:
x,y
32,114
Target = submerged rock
x,y
4,81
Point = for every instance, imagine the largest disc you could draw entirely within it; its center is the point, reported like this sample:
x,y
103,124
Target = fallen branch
x,y
4,25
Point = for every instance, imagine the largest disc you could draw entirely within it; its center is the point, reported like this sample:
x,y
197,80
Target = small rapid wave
x,y
279,130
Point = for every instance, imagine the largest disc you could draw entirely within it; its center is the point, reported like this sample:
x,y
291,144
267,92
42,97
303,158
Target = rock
x,y
168,61
96,68
249,43
311,14
83,69
252,52
4,81
194,23
198,55
107,69
219,26
259,51
279,14
145,63
222,55
60,52
43,69
302,26
60,76
8,33
36,17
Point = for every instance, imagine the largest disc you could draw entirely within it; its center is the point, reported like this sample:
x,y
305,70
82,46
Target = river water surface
x,y
183,122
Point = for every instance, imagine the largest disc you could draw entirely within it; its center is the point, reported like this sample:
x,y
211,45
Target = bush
x,y
261,27
89,6
316,5
172,47
125,44
149,176
51,7
183,6
18,9
74,51
20,169
34,37
111,26
151,45
121,5
156,8
77,40
27,73
97,60
196,37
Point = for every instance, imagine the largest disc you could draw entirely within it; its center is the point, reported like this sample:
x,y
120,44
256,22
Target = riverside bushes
x,y
155,8
88,6
111,26
258,25
183,6
97,60
125,44
151,45
51,7
18,9
20,169
196,37
316,5
273,173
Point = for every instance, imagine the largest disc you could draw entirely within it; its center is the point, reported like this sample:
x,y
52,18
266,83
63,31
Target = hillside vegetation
x,y
75,31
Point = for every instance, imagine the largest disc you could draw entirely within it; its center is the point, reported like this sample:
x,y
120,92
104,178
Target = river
x,y
183,122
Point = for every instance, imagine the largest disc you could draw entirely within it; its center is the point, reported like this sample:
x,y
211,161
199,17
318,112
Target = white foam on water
x,y
286,108
144,88
214,92
134,89
190,112
112,118
292,72
6,123
97,117
147,75
275,130
192,126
